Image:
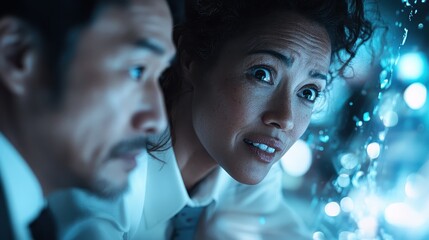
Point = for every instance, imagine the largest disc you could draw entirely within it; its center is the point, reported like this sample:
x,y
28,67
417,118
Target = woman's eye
x,y
309,94
136,72
262,74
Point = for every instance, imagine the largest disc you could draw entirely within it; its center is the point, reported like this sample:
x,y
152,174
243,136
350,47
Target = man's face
x,y
112,99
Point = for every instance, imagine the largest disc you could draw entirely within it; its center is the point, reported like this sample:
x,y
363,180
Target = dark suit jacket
x,y
5,222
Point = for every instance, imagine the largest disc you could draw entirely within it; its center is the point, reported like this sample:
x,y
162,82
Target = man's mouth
x,y
129,148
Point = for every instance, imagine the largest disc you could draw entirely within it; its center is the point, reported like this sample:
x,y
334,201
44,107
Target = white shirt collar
x,y
166,193
23,192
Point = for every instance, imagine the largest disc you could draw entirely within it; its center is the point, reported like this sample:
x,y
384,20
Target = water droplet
x,y
384,79
359,124
324,138
404,38
320,148
382,136
420,26
366,117
358,179
384,83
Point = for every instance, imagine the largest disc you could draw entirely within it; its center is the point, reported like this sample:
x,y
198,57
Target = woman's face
x,y
257,98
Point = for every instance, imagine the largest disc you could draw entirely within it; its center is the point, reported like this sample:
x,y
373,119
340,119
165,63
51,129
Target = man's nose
x,y
152,117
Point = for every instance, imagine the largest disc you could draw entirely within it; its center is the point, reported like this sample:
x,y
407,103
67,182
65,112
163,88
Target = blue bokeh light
x,y
411,66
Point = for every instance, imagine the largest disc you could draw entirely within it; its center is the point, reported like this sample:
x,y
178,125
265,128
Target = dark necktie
x,y
44,226
185,223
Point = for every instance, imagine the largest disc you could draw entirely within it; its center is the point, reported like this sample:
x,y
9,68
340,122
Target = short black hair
x,y
54,21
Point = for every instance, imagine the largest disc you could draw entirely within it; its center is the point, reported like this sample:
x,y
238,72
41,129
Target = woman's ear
x,y
187,63
17,55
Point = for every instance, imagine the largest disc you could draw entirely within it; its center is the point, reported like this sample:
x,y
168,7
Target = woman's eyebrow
x,y
319,75
288,61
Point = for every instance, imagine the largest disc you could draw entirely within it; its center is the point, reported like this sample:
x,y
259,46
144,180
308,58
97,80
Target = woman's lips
x,y
265,148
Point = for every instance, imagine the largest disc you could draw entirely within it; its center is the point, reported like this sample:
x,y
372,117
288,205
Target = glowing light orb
x,y
297,161
319,236
415,186
368,227
390,119
382,136
415,96
343,180
347,204
402,215
411,66
349,161
347,235
332,209
373,150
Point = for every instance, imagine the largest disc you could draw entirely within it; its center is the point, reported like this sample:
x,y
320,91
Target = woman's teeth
x,y
262,146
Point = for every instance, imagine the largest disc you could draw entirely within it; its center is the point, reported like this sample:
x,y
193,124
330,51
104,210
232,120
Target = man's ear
x,y
17,55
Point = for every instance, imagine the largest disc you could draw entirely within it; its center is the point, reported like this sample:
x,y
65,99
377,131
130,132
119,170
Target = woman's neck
x,y
193,160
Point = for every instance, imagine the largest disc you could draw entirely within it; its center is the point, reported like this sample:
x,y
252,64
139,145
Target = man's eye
x,y
262,74
136,72
310,94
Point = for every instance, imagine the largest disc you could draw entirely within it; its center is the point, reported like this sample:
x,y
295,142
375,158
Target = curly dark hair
x,y
209,24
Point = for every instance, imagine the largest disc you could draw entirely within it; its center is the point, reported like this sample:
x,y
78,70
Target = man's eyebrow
x,y
150,45
315,74
288,61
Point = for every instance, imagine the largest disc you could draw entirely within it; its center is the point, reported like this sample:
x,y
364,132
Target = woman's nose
x,y
279,114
